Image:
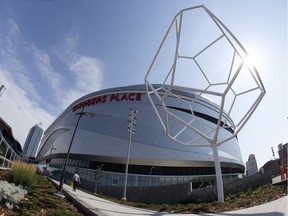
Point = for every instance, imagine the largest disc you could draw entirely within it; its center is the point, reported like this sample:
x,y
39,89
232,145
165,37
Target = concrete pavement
x,y
93,205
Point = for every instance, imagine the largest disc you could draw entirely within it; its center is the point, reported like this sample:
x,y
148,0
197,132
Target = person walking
x,y
76,180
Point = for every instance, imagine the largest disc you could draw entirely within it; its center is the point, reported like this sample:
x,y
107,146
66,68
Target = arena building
x,y
155,159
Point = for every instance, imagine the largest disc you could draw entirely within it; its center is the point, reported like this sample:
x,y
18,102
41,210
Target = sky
x,y
53,52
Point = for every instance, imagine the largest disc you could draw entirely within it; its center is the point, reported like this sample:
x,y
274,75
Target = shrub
x,y
203,207
230,197
258,191
11,194
242,195
22,173
164,207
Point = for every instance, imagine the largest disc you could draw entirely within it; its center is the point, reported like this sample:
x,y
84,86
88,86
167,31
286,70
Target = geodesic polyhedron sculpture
x,y
200,55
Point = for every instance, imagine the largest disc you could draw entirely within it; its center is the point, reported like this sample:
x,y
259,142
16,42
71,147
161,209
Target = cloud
x,y
10,58
85,71
19,105
43,65
18,110
36,89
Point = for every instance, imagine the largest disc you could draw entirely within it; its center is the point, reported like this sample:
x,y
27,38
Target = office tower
x,y
251,165
32,141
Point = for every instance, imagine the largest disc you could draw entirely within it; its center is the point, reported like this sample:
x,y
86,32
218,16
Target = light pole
x,y
51,149
131,128
2,89
90,115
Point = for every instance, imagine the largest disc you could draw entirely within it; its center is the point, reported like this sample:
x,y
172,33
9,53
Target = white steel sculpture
x,y
200,55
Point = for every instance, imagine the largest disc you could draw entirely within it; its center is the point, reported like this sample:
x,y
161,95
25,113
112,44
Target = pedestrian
x,y
76,180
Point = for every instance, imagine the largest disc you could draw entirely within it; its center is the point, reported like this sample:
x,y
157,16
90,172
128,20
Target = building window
x,y
8,156
3,149
114,181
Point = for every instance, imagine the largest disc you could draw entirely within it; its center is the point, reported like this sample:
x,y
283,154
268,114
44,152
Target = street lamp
x,y
89,115
131,128
51,149
2,89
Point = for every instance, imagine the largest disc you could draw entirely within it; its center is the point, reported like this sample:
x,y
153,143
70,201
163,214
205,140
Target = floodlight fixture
x,y
132,129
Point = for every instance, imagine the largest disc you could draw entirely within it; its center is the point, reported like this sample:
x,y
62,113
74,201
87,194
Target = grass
x,y
251,197
41,201
41,198
22,173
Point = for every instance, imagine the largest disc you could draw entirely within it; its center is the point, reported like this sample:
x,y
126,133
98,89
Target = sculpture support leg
x,y
220,192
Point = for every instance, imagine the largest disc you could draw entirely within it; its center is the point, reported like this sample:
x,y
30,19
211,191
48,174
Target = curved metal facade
x,y
104,138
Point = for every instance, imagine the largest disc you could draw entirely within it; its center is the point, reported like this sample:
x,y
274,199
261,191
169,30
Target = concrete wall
x,y
172,194
254,181
210,194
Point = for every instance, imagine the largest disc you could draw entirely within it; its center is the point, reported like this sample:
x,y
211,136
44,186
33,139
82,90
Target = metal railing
x,y
7,154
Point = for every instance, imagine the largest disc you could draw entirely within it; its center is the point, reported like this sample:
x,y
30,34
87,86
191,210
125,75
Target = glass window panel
x,y
109,180
8,156
3,149
6,164
77,163
115,181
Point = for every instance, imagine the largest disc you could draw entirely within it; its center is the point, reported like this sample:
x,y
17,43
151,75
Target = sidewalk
x,y
93,205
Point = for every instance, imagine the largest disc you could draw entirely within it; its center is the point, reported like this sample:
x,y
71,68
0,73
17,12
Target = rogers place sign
x,y
108,98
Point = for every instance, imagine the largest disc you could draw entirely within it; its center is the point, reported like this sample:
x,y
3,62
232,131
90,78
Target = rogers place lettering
x,y
111,98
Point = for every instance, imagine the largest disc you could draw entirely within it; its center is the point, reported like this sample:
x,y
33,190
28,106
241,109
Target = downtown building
x,y
155,159
251,165
32,142
275,166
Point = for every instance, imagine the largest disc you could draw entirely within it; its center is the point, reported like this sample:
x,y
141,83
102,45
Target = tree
x,y
98,175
